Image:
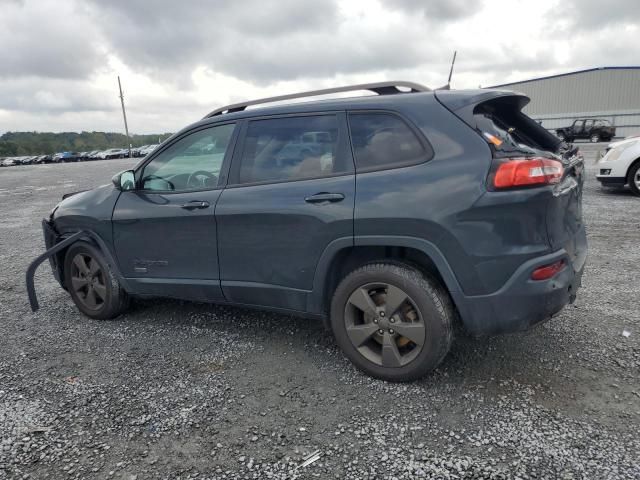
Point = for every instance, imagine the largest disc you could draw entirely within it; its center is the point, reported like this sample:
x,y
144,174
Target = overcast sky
x,y
179,59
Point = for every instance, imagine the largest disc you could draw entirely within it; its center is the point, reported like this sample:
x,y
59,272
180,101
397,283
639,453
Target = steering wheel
x,y
157,177
203,177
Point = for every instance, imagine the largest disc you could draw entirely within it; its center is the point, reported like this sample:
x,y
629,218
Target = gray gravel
x,y
182,390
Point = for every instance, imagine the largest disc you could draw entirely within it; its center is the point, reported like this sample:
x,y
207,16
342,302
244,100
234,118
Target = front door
x,y
165,230
291,193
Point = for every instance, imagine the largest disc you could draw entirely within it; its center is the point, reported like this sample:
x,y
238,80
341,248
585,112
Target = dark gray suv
x,y
391,217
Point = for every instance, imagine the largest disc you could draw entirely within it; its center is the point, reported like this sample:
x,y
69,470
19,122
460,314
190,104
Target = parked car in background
x,y
389,217
620,165
9,162
112,153
65,157
43,159
146,150
593,129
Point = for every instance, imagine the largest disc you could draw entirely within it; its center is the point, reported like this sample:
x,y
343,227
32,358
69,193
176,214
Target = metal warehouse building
x,y
612,93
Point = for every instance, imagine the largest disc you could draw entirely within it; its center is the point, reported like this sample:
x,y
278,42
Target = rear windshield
x,y
510,131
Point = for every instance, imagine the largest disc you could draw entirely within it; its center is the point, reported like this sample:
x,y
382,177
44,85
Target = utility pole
x,y
124,114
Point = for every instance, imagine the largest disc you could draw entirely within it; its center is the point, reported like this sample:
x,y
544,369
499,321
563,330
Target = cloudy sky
x,y
179,59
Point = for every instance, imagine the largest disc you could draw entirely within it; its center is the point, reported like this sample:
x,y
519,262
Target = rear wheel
x,y
633,178
595,138
560,135
392,321
93,288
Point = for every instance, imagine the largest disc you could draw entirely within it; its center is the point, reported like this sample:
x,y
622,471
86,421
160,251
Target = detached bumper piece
x,y
31,291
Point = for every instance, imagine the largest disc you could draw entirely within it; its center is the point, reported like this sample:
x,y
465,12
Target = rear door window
x,y
382,140
292,148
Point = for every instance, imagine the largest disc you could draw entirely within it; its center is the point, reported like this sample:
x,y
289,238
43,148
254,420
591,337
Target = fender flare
x,y
316,297
80,235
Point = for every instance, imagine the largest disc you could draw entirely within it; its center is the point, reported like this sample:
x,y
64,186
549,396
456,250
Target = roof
x,y
564,75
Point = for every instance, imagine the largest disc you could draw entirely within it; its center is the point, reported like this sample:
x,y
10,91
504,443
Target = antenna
x,y
124,114
451,71
448,85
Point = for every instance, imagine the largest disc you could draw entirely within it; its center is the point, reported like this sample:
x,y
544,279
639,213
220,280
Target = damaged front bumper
x,y
54,245
50,237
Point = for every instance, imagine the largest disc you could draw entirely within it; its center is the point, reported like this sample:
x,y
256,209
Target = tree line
x,y
43,143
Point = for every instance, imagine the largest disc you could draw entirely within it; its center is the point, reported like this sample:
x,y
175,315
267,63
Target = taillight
x,y
520,172
548,271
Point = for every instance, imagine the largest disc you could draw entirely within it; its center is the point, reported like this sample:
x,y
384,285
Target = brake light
x,y
548,271
517,172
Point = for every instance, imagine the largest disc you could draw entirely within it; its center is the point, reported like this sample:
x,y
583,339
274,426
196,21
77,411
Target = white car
x,y
621,165
146,150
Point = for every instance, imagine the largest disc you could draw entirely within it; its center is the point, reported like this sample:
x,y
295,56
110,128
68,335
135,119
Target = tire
x,y
107,299
633,178
427,315
561,136
595,138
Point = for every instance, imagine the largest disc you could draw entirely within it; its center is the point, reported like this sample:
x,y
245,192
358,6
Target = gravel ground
x,y
183,390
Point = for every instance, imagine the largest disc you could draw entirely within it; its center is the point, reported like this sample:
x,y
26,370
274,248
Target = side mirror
x,y
124,180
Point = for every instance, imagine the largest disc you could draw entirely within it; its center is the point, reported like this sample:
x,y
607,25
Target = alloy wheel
x,y
88,282
384,324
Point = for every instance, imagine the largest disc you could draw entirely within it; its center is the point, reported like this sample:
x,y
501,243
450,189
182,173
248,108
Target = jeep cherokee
x,y
391,217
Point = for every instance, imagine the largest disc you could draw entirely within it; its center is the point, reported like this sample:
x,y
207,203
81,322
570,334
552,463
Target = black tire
x,y
595,138
107,296
425,296
633,178
561,136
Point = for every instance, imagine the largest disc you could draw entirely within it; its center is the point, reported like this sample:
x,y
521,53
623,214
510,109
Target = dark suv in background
x,y
391,217
592,129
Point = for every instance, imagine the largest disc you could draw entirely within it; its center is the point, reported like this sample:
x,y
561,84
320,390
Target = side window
x,y
191,163
292,148
382,140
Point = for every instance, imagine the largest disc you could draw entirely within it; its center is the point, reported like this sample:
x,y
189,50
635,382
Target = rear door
x,y
291,193
165,230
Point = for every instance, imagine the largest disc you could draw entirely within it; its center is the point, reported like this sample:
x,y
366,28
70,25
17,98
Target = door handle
x,y
324,197
195,204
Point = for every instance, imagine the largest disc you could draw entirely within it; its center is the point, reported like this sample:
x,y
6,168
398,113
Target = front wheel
x,y
560,135
89,280
595,138
392,321
633,178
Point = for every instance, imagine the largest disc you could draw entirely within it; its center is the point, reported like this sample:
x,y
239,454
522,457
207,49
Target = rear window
x,y
382,140
510,131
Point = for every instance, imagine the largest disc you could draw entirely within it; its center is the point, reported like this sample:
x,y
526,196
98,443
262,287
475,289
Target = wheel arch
x,y
96,241
344,255
630,167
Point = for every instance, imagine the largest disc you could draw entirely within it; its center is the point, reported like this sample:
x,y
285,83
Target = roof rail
x,y
381,88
